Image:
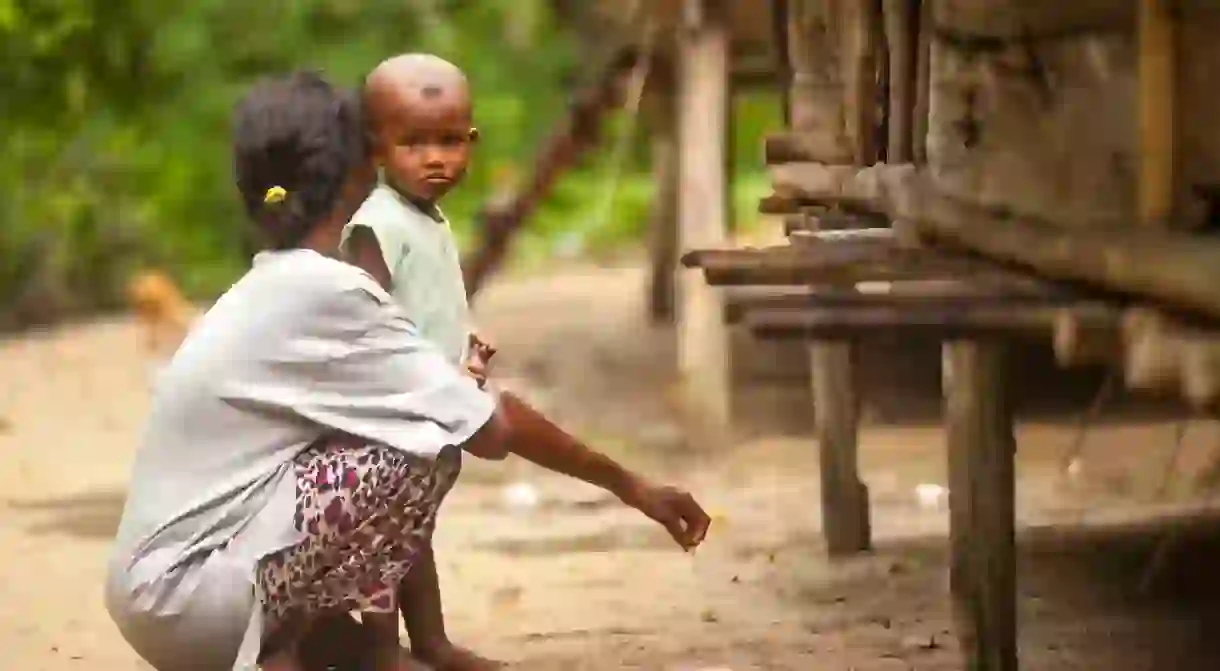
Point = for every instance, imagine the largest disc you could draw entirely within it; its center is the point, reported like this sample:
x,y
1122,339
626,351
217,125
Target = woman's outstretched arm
x,y
535,438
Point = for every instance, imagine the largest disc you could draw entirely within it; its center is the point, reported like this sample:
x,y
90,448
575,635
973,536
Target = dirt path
x,y
575,582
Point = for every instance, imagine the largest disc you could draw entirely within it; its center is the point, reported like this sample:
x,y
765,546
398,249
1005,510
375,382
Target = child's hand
x,y
479,357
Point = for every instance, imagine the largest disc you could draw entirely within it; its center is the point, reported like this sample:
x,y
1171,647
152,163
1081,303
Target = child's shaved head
x,y
419,109
411,79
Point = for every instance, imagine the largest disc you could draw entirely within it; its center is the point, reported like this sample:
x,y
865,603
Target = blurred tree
x,y
114,124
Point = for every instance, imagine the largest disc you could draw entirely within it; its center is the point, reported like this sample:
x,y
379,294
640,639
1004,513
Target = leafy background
x,y
115,141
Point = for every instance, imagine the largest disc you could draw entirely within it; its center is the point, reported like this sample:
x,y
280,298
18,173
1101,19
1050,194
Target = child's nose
x,y
434,157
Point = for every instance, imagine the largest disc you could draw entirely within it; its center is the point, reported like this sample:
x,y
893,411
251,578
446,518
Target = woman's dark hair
x,y
296,141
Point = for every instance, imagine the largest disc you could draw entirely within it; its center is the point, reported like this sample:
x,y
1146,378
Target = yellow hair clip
x,y
275,194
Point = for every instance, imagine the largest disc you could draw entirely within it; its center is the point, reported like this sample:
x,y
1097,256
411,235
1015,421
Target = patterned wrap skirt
x,y
365,511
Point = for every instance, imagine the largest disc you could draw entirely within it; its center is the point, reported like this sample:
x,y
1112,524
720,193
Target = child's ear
x,y
474,134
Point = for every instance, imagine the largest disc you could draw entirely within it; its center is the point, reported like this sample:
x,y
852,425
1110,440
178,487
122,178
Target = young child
x,y
419,110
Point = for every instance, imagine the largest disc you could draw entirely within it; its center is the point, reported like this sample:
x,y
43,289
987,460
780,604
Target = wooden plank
x,y
997,290
981,446
817,238
837,263
703,348
836,409
946,319
1157,74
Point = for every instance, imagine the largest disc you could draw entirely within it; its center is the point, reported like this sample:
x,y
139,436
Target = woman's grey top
x,y
300,346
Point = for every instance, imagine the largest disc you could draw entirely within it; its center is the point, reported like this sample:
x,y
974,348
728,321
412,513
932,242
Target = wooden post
x,y
923,81
862,33
845,510
981,504
901,39
730,155
1156,112
836,409
663,228
703,353
780,17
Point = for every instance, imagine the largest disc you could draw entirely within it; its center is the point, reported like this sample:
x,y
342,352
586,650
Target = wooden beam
x,y
1157,73
1085,341
793,147
1161,354
982,498
846,186
836,409
998,291
945,321
1176,270
703,350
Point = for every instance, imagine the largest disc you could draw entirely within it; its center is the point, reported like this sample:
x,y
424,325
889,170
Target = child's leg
x,y
419,600
286,659
281,650
387,655
336,641
339,641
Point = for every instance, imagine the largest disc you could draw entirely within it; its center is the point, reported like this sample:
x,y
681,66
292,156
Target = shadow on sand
x,y
92,514
1081,606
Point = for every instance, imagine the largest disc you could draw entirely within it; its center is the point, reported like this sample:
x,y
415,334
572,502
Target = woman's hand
x,y
672,508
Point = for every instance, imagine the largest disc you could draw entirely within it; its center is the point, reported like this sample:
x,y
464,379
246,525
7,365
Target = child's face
x,y
424,145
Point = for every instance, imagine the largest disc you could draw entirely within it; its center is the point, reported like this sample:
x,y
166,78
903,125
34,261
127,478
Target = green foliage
x,y
115,119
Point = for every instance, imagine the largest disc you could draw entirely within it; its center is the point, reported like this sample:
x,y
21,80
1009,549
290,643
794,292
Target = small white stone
x,y
521,496
930,496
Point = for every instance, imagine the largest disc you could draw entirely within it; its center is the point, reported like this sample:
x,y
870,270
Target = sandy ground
x,y
576,582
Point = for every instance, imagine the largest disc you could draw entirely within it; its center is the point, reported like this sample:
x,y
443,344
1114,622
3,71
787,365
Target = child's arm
x,y
363,250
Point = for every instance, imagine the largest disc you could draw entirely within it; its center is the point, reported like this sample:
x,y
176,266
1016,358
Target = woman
x,y
303,437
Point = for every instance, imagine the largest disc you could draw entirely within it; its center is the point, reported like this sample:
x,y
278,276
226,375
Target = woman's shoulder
x,y
315,277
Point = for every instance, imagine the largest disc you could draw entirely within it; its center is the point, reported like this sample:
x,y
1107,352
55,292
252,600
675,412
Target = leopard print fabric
x,y
365,510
